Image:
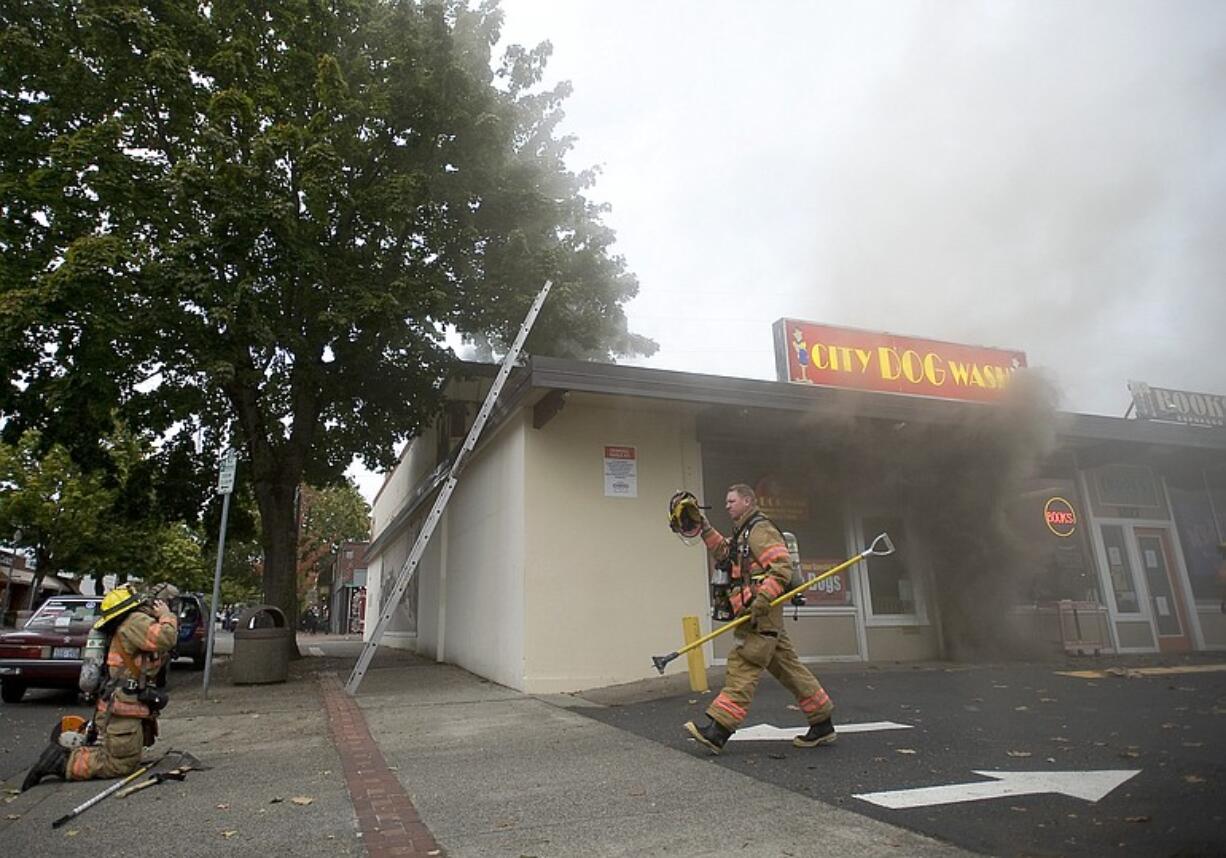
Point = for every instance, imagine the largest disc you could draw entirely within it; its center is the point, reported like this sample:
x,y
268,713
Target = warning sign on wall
x,y
621,477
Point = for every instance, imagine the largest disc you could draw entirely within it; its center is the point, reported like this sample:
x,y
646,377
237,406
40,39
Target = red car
x,y
47,652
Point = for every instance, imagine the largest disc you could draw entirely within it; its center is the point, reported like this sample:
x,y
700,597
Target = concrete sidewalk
x,y
487,770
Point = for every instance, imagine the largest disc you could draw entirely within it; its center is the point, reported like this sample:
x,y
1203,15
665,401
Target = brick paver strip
x,y
387,819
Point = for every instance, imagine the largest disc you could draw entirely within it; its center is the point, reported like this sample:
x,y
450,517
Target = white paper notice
x,y
1151,558
621,477
1113,555
1163,610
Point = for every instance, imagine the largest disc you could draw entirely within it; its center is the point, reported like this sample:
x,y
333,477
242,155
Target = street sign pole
x,y
225,485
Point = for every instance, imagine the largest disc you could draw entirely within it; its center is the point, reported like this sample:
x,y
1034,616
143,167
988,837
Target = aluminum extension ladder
x,y
405,576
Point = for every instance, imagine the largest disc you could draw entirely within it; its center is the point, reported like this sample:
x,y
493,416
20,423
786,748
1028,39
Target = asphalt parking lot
x,y
1162,737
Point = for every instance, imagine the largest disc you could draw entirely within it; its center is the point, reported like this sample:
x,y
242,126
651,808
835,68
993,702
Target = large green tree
x,y
253,222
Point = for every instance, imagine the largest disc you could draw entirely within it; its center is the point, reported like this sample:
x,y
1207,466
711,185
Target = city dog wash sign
x,y
809,353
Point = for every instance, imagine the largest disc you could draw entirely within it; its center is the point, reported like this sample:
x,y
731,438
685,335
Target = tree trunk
x,y
279,538
42,568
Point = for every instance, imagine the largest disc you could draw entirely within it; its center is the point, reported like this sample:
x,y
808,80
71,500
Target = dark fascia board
x,y
615,380
1093,427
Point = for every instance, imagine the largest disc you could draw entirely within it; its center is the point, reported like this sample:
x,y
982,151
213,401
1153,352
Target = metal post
x,y
225,485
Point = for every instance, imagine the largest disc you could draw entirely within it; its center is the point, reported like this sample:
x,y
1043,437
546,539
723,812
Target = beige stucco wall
x,y
1134,635
1212,626
902,643
606,582
480,605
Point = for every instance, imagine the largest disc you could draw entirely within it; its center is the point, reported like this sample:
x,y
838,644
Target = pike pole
x,y
880,547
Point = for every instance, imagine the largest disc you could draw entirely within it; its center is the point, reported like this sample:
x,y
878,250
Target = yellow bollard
x,y
698,670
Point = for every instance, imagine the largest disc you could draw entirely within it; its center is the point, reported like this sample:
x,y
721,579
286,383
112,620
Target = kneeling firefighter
x,y
751,570
139,632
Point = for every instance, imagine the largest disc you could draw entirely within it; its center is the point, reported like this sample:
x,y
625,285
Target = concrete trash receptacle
x,y
261,648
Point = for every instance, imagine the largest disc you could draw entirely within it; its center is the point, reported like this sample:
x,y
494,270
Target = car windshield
x,y
64,614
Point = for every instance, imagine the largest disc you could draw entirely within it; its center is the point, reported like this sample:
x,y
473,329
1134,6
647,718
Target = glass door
x,y
1165,594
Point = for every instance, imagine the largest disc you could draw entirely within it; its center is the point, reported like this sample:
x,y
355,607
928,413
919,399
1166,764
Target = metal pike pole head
x,y
660,661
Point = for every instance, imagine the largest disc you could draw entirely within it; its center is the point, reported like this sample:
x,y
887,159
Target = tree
x,y
57,508
329,517
256,221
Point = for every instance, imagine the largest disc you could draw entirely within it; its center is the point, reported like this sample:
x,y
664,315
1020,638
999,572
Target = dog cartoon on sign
x,y
802,353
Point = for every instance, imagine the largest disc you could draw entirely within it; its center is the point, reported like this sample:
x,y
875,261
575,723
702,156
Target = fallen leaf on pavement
x,y
793,707
1060,739
1194,779
1047,699
905,750
18,815
71,833
1017,809
276,801
1021,708
1129,755
772,756
1018,753
302,800
12,791
228,834
223,807
1136,819
695,700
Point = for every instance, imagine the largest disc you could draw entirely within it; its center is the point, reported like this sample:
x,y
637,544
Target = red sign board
x,y
809,353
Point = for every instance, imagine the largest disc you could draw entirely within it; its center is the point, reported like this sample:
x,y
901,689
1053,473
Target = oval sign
x,y
1060,516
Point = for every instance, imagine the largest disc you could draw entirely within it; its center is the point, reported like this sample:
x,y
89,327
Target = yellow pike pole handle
x,y
880,547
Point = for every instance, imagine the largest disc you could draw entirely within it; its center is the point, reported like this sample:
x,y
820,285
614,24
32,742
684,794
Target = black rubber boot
x,y
821,733
714,735
54,761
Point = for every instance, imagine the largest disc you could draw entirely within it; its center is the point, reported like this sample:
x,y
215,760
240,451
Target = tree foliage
x,y
257,220
330,517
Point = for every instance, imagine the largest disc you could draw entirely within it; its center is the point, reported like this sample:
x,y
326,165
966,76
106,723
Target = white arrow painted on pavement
x,y
1090,786
771,733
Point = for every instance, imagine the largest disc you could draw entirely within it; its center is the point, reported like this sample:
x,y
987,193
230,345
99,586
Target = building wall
x,y
606,582
477,600
902,643
1212,626
1134,635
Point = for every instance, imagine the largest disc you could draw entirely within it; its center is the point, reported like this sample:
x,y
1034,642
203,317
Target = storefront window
x,y
1048,530
891,585
1119,567
1196,501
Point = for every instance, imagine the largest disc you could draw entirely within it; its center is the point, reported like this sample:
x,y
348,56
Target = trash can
x,y
261,646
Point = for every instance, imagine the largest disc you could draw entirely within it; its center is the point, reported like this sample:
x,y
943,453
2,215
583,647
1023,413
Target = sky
x,y
1041,176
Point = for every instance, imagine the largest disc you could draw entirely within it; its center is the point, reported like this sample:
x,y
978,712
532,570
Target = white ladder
x,y
405,576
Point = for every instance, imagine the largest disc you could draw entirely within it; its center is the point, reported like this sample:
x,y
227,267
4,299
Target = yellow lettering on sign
x,y
865,357
912,368
818,360
959,372
933,371
887,359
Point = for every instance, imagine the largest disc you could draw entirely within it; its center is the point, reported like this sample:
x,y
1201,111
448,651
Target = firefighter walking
x,y
760,568
141,631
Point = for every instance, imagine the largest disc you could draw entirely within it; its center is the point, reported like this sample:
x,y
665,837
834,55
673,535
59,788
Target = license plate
x,y
66,652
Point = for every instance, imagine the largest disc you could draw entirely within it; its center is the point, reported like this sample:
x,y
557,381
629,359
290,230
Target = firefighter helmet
x,y
117,603
684,515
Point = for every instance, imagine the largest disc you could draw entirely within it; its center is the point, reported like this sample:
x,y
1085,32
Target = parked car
x,y
46,652
192,610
